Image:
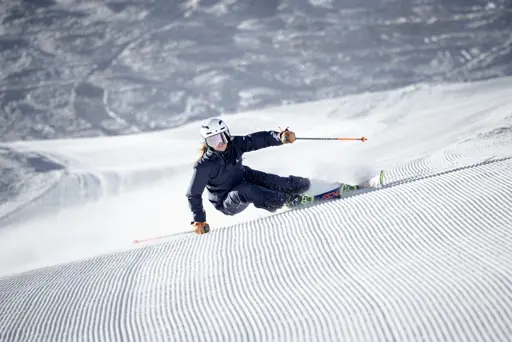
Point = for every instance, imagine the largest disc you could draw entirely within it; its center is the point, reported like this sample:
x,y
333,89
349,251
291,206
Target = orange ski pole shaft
x,y
162,237
363,139
155,238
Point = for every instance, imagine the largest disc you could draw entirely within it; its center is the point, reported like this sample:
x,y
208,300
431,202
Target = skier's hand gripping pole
x,y
201,227
287,136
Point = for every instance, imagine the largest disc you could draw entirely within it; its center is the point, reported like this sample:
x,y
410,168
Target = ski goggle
x,y
217,139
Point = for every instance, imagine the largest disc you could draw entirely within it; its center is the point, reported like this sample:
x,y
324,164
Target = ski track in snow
x,y
427,257
401,263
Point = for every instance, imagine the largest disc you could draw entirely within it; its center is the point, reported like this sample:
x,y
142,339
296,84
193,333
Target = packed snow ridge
x,y
426,257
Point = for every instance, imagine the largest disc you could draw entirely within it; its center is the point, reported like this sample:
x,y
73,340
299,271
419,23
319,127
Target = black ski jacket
x,y
219,172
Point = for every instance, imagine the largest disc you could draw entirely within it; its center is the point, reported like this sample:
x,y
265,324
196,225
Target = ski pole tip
x,y
363,139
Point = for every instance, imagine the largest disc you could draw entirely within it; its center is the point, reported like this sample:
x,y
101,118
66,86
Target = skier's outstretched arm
x,y
200,177
263,139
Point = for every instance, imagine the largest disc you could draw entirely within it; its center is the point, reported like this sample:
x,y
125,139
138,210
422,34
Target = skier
x,y
233,186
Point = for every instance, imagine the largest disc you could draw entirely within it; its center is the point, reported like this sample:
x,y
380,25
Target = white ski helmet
x,y
214,131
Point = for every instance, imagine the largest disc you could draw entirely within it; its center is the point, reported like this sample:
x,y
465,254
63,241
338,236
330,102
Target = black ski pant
x,y
264,190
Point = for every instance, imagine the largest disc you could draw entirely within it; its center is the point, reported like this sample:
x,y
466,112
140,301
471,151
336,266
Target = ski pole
x,y
152,238
161,237
363,139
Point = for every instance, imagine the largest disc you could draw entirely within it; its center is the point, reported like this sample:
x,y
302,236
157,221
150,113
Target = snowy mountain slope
x,y
427,257
118,67
112,190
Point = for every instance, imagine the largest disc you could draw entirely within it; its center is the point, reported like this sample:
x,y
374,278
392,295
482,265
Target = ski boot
x,y
374,182
293,201
346,188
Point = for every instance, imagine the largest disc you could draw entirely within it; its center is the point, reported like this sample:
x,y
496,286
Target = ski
x,y
342,190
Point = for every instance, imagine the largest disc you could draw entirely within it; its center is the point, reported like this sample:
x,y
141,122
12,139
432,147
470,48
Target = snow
x,y
139,181
426,256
